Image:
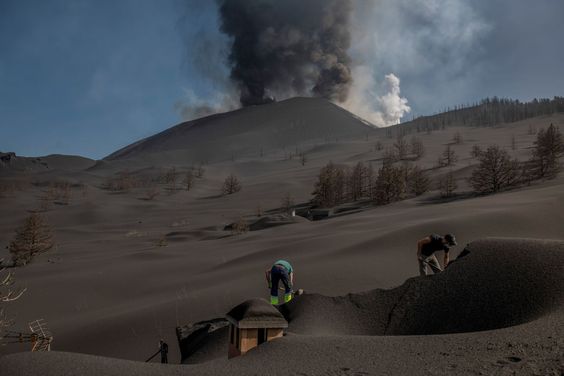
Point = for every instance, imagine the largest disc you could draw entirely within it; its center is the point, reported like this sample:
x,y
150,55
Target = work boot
x,y
287,297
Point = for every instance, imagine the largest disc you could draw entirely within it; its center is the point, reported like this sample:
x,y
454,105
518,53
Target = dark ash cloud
x,y
287,48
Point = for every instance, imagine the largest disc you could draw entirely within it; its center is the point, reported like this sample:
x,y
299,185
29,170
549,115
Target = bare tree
x,y
401,147
287,203
171,177
389,156
447,185
476,151
378,146
329,189
448,158
389,184
303,158
32,238
369,181
513,143
124,182
418,182
457,138
549,147
259,210
356,181
231,185
199,171
188,180
417,148
496,171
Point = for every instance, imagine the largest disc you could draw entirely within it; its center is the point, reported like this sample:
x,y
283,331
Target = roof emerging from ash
x,y
256,313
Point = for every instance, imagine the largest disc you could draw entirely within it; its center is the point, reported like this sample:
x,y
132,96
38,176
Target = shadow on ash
x,y
494,283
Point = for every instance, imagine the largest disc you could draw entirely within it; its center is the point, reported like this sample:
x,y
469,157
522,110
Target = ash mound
x,y
494,283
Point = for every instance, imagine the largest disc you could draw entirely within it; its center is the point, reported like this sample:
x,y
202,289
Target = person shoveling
x,y
426,249
281,271
163,350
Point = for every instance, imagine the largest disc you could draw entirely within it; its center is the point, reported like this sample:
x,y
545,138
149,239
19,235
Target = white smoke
x,y
433,45
193,106
382,108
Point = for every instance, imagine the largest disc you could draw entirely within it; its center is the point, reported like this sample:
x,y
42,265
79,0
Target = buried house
x,y
253,322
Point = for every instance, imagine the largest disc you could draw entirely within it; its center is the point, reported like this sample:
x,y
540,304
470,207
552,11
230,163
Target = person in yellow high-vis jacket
x,y
281,270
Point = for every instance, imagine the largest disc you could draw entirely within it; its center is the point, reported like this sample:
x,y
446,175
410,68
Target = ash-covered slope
x,y
495,283
500,283
251,131
10,162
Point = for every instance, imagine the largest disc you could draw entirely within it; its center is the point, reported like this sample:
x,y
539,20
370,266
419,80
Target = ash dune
x,y
126,271
511,287
496,283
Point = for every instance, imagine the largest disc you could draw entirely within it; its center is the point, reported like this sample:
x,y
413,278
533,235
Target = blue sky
x,y
88,77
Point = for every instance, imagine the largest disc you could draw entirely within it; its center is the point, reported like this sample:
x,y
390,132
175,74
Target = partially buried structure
x,y
253,322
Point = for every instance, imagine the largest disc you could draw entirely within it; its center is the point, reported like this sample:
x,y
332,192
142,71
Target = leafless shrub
x,y
378,146
240,227
124,182
63,192
162,242
7,294
32,238
151,193
10,188
497,171
231,185
513,143
46,201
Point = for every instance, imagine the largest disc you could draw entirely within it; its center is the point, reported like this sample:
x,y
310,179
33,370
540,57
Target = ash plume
x,y
288,48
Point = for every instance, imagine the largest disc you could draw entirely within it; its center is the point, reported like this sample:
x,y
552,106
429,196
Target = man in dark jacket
x,y
426,249
163,347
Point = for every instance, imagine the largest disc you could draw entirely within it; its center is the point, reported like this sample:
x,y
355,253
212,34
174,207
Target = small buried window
x,y
261,336
237,332
232,334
